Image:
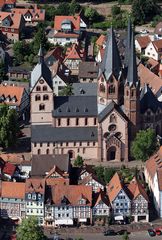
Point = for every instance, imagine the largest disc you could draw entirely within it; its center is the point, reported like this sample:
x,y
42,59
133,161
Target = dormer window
x,y
39,196
29,196
34,196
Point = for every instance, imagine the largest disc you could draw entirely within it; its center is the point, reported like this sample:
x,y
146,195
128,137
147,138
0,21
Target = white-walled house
x,y
154,50
141,42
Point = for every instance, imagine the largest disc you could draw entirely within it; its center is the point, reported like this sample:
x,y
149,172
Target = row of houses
x,y
55,200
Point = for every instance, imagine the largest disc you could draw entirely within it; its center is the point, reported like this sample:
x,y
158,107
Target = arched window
x,y
111,89
47,151
44,88
37,98
38,88
45,97
39,151
41,107
112,118
102,87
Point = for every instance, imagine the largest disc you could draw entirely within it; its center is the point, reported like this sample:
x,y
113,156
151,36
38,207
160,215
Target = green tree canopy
x,y
115,10
66,91
144,144
144,10
9,127
78,161
29,230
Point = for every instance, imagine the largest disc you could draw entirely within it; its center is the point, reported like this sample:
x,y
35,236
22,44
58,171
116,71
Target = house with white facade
x,y
153,177
34,198
119,199
154,50
141,43
139,201
101,207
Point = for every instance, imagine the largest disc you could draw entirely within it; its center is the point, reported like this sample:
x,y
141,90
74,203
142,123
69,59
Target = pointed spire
x,y
40,55
128,42
111,62
132,77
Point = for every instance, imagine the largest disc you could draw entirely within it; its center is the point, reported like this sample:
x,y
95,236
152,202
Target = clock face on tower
x,y
41,81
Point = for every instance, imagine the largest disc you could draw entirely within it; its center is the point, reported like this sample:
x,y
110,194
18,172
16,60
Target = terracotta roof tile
x,y
158,45
13,190
136,189
74,19
73,193
16,19
9,169
159,175
158,28
114,187
35,185
57,181
143,41
12,158
75,52
101,196
56,52
154,163
101,40
2,2
152,62
148,77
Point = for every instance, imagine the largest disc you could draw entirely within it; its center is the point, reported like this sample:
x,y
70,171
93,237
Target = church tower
x,y
132,93
128,44
110,74
41,93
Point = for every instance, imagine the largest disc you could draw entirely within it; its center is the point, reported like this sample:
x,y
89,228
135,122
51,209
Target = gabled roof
x,y
9,169
114,187
36,185
11,95
41,70
56,52
73,193
101,40
57,181
15,19
99,197
136,189
13,190
148,100
143,41
158,28
158,45
53,170
36,13
75,53
90,177
111,64
3,2
75,20
112,105
148,77
88,70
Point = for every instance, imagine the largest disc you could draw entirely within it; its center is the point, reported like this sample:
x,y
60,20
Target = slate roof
x,y
132,77
111,63
128,43
44,163
108,109
86,89
69,106
41,70
47,133
148,100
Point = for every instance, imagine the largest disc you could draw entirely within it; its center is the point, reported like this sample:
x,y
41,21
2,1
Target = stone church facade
x,y
95,127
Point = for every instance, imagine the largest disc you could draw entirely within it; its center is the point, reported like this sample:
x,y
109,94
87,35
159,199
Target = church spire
x,y
128,42
40,55
111,63
132,77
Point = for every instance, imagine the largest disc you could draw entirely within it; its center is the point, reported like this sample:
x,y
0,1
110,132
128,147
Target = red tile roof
x,y
35,185
57,181
11,91
36,13
136,189
9,169
143,41
56,52
114,187
3,2
73,193
13,190
66,35
12,158
148,77
74,19
101,40
101,196
158,45
16,19
74,52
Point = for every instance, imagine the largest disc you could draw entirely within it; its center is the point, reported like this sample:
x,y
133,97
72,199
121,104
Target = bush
x,y
78,161
102,25
115,10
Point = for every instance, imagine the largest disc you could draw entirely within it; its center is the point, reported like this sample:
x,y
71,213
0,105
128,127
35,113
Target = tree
x,y
78,161
125,236
91,14
108,174
9,127
2,71
74,7
115,10
144,10
144,144
66,91
99,171
20,50
29,230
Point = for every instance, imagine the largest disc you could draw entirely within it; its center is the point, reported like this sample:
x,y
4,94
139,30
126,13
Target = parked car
x,y
158,231
109,233
122,232
151,232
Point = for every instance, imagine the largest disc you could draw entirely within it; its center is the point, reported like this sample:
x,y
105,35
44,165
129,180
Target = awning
x,y
119,218
83,220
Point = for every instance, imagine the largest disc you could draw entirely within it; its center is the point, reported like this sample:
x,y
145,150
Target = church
x,y
98,127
